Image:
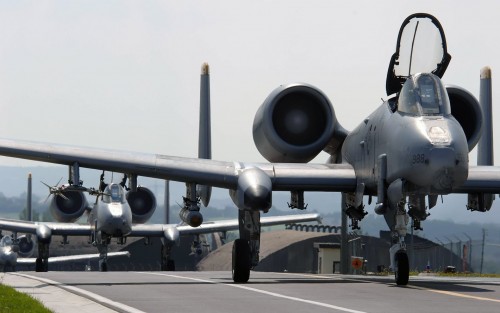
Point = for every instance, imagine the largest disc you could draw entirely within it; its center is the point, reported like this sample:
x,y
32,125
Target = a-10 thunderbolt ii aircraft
x,y
11,254
413,147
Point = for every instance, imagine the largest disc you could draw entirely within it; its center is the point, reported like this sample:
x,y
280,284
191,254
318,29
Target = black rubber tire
x,y
402,272
170,265
241,261
39,265
103,266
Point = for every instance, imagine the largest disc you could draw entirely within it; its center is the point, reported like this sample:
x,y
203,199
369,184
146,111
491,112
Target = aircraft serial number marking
x,y
418,158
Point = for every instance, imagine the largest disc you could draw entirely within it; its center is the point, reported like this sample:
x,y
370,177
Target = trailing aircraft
x,y
110,218
11,255
413,148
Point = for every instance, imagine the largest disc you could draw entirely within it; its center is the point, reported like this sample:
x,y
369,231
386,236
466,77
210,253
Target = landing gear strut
x,y
102,242
42,261
167,264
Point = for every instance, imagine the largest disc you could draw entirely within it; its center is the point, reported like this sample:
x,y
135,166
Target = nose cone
x,y
444,169
114,220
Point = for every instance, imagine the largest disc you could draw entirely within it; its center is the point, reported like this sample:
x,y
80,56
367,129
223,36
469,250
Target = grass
x,y
12,301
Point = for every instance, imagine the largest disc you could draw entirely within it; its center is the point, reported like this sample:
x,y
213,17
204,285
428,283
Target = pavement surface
x,y
266,292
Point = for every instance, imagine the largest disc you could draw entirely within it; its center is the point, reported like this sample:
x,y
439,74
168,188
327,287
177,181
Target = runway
x,y
276,292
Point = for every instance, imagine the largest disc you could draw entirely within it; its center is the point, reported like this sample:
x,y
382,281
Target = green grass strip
x,y
12,301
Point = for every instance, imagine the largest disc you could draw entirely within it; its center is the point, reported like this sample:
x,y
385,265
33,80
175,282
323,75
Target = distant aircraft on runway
x,y
113,218
9,256
415,146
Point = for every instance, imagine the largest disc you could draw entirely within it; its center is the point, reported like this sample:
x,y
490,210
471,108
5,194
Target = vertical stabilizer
x,y
485,145
483,202
167,202
204,136
29,215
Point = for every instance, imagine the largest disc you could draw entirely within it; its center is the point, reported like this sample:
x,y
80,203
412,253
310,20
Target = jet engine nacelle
x,y
69,208
26,246
466,110
142,204
295,123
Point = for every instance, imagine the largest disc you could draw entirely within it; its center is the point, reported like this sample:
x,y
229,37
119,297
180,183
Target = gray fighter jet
x,y
10,256
112,217
414,146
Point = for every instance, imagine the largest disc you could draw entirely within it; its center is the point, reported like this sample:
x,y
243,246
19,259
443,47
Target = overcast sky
x,y
125,74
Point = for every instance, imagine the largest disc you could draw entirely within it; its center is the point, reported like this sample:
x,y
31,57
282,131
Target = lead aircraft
x,y
410,150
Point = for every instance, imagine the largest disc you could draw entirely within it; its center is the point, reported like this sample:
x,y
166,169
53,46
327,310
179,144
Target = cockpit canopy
x,y
421,48
114,193
424,94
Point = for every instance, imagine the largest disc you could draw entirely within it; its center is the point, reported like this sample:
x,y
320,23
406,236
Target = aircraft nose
x,y
445,169
442,164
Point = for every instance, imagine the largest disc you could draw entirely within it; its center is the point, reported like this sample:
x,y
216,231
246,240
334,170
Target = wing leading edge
x,y
151,230
284,176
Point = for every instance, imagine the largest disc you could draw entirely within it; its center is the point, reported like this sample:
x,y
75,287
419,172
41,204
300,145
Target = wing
x,y
481,179
158,230
77,257
220,226
151,230
284,176
26,227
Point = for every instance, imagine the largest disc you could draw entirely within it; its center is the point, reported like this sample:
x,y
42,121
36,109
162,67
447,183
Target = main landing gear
x,y
241,261
246,248
167,264
402,268
42,261
101,242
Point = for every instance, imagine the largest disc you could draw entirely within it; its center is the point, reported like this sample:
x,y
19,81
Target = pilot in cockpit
x,y
114,194
423,95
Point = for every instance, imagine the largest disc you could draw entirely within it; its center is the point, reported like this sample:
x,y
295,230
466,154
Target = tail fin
x,y
204,136
29,215
485,144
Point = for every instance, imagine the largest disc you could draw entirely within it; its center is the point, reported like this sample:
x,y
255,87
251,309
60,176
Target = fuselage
x,y
112,215
427,149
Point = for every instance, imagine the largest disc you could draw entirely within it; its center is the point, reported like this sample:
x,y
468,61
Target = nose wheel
x,y
241,261
402,268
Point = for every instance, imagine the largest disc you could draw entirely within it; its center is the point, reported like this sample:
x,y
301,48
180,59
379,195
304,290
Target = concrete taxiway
x,y
266,292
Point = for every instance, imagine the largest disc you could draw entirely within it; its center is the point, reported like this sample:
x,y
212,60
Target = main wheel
x,y
170,265
402,271
241,261
103,266
39,265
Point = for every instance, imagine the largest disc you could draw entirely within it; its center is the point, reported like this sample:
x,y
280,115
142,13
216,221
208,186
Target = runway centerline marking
x,y
273,294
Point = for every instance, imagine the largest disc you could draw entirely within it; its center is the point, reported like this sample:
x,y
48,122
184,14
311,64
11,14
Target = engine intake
x,y
294,124
26,246
70,208
142,204
466,110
